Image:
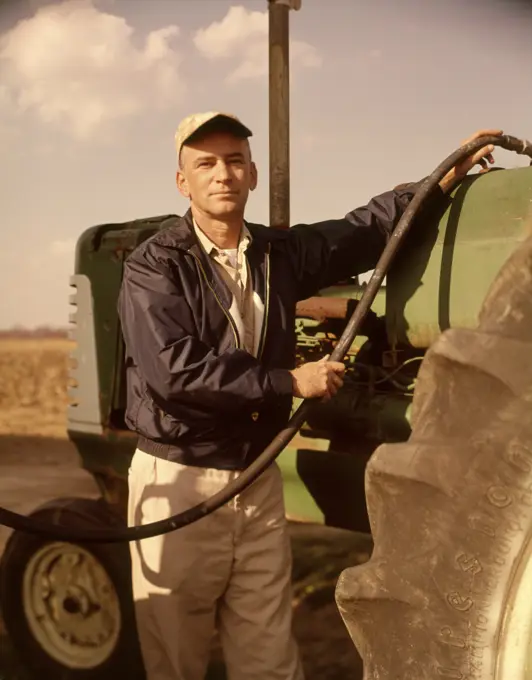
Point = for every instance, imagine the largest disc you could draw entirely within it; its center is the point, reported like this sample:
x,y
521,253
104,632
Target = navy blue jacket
x,y
194,395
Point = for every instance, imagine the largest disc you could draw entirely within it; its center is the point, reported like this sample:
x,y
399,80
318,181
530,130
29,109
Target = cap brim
x,y
220,122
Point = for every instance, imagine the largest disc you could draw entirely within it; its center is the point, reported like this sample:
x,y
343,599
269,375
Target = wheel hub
x,y
71,605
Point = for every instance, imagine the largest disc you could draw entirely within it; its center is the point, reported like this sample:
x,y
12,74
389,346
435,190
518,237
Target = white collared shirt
x,y
247,309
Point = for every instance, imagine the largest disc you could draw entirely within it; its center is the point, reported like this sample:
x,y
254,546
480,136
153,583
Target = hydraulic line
x,y
57,532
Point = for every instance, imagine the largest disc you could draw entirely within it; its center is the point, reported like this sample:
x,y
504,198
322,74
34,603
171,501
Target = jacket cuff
x,y
281,381
436,191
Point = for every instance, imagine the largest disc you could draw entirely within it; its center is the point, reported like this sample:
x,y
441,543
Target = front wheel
x,y
68,607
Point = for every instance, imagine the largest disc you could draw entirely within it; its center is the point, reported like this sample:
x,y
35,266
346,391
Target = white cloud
x,y
242,35
78,67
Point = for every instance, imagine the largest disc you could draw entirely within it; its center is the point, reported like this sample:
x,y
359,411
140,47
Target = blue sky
x,y
91,93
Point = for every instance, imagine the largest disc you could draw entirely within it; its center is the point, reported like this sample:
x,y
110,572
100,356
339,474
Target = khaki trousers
x,y
229,571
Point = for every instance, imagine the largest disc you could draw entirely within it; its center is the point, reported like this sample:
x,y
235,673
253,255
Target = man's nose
x,y
223,173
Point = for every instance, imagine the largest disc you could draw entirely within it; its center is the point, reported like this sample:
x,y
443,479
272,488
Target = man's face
x,y
217,174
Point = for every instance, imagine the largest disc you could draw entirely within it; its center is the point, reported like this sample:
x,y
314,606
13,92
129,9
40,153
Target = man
x,y
207,308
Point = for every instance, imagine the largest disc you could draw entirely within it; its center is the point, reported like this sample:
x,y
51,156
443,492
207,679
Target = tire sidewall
x,y
480,558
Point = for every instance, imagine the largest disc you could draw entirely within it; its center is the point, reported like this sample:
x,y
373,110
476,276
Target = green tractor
x,y
428,446
437,405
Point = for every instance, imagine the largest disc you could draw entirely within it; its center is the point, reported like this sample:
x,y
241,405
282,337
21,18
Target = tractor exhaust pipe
x,y
279,106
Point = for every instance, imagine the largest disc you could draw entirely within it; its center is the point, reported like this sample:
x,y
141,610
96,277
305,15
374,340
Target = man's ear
x,y
254,177
182,184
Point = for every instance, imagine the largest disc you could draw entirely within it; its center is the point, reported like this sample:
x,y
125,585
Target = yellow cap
x,y
191,124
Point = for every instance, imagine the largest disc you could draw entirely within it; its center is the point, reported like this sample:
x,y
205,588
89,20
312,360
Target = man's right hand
x,y
321,378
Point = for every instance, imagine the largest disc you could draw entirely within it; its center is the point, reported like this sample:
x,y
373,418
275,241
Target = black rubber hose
x,y
33,525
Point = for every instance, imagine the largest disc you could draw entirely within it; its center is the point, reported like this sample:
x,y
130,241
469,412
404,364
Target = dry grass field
x,y
37,463
33,386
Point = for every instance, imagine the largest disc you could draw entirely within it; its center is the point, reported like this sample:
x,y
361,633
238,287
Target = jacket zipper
x,y
229,318
266,306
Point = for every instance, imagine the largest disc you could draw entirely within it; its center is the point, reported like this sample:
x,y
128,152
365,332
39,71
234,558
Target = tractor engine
x,y
438,281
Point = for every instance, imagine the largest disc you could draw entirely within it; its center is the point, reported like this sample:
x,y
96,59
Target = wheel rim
x,y
515,660
71,605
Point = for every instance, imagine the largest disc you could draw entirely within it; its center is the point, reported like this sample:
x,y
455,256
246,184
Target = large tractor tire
x,y
447,592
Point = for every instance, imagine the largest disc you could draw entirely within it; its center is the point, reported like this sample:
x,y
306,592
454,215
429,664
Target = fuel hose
x,y
50,531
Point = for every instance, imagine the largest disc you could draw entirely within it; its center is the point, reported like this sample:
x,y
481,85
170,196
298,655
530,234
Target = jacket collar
x,y
212,248
181,234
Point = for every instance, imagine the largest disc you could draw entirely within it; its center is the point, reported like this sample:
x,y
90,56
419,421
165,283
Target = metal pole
x,y
279,104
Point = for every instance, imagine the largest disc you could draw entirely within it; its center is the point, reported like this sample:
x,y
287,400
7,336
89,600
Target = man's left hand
x,y
481,157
